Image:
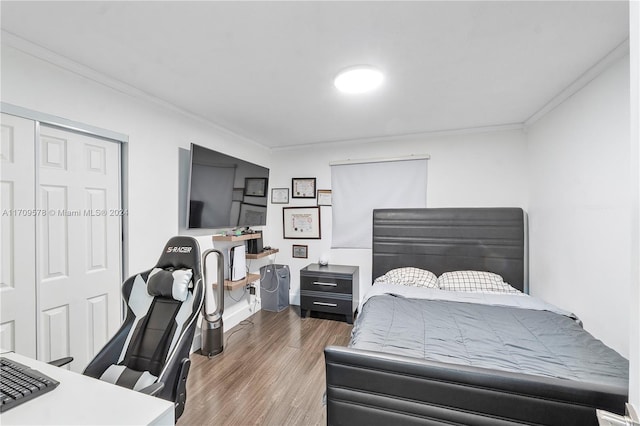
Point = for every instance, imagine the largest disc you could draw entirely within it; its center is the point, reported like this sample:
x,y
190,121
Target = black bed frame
x,y
374,388
443,240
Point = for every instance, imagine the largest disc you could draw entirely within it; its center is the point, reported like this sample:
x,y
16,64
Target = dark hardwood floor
x,y
271,372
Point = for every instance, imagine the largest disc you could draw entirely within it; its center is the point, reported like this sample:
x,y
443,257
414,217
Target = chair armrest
x,y
61,362
152,389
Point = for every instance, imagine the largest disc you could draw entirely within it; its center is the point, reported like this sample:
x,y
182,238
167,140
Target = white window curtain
x,y
359,188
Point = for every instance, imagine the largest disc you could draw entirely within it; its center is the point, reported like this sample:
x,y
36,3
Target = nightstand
x,y
332,288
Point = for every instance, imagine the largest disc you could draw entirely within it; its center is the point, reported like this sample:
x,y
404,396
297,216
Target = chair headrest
x,y
173,283
181,252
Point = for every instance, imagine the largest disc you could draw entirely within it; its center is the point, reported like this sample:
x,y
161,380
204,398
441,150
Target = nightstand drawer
x,y
315,301
326,284
329,289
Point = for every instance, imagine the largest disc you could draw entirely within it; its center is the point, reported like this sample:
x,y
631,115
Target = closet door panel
x,y
17,247
79,247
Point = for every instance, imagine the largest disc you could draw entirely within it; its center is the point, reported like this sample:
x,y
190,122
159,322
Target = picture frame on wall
x,y
252,213
300,251
237,194
279,195
301,223
303,188
255,187
324,197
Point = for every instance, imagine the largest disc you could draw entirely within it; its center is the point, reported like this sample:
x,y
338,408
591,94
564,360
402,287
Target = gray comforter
x,y
531,341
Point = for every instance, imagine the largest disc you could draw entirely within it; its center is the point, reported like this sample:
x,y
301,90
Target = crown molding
x,y
404,136
44,54
598,68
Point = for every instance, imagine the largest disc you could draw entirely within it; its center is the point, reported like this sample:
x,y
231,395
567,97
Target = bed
x,y
423,355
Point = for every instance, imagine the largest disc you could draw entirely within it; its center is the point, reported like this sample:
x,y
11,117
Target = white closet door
x,y
17,285
79,244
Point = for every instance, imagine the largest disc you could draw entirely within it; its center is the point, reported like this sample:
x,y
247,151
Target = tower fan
x,y
212,327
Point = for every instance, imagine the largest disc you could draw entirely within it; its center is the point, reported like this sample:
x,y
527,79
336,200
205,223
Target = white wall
x,y
156,135
579,206
634,299
474,169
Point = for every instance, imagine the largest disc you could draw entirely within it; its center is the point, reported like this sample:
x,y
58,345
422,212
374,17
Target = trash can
x,y
274,287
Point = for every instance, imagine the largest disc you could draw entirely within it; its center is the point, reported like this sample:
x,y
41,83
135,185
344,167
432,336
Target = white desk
x,y
82,400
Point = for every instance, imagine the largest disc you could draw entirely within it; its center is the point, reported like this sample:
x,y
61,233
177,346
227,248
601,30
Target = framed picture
x,y
303,188
301,222
324,197
252,214
279,195
237,194
300,252
255,187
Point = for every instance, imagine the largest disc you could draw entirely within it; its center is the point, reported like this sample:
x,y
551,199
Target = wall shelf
x,y
242,237
250,278
234,285
262,254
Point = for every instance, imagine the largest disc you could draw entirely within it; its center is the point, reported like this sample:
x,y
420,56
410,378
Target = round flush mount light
x,y
358,79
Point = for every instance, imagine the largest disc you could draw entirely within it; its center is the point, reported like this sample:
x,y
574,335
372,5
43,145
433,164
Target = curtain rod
x,y
380,160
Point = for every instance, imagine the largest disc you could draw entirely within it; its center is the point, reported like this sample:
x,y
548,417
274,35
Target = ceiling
x,y
265,70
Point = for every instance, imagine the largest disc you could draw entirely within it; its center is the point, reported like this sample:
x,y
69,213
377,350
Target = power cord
x,y
244,324
244,292
255,303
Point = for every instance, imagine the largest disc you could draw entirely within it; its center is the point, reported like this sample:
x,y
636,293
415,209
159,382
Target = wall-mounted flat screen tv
x,y
225,191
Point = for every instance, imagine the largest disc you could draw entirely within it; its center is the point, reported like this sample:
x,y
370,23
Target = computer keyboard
x,y
19,383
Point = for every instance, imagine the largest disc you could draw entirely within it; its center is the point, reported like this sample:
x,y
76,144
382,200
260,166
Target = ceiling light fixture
x,y
358,79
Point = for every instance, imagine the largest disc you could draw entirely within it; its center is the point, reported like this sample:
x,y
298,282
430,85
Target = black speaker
x,y
254,246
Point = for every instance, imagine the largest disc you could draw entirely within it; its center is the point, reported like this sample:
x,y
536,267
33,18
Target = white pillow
x,y
409,276
474,281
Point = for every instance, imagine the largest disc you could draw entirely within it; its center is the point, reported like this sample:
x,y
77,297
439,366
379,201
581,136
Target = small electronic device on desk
x,y
254,246
237,263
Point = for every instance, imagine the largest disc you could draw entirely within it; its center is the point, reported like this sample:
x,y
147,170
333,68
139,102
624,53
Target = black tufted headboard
x,y
451,239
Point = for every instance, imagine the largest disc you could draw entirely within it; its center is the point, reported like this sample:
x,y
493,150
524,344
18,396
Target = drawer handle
x,y
333,305
325,284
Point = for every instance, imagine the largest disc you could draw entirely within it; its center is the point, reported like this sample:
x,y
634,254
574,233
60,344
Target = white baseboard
x,y
294,298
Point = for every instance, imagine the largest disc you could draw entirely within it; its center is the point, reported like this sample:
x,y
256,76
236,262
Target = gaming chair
x,y
150,351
